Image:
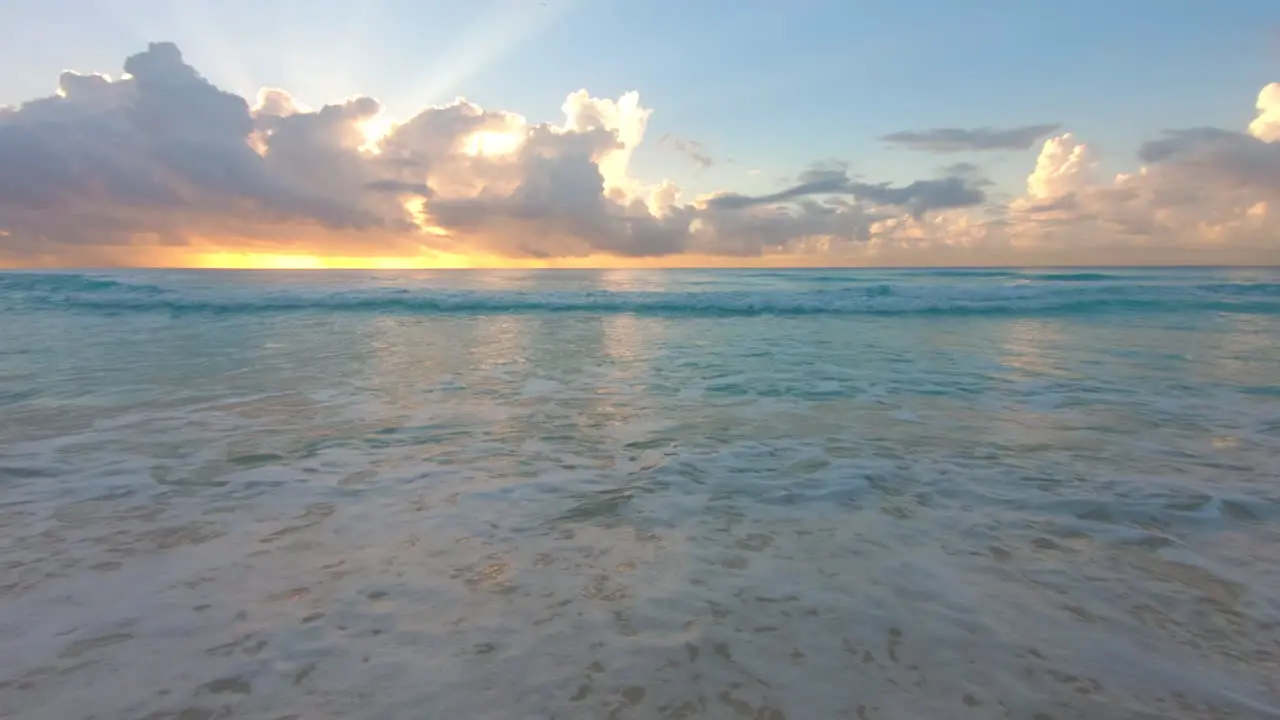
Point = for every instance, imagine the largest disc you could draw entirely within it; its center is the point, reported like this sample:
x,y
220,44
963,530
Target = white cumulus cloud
x,y
1065,165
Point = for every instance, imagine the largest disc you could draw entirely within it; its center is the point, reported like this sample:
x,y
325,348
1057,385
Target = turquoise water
x,y
675,494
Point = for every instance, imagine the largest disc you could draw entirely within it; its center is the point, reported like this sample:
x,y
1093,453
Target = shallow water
x,y
810,494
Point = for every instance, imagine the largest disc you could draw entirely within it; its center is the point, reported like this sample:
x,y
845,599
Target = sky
x,y
389,133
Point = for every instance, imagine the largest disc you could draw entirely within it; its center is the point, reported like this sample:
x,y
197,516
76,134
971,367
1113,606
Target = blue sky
x,y
765,85
767,88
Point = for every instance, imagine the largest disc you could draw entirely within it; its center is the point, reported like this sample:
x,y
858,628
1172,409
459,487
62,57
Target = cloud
x,y
918,197
1227,159
1266,126
163,151
691,149
1064,165
160,165
1201,195
967,171
161,158
950,140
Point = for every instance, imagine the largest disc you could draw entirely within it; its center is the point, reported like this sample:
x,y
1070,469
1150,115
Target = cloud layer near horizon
x,y
162,164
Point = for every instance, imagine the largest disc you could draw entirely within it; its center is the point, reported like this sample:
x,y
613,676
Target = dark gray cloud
x,y
949,140
812,182
922,196
1223,158
400,186
918,197
1181,144
970,172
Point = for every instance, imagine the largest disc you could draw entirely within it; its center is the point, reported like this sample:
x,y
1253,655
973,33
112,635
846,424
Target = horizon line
x,y
110,268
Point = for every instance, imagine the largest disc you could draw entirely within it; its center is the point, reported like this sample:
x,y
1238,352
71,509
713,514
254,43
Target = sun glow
x,y
436,260
374,130
492,144
231,260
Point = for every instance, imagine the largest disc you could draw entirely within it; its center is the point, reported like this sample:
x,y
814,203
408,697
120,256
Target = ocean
x,y
875,494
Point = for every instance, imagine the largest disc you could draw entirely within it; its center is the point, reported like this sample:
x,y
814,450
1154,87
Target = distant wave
x,y
812,276
1075,277
90,294
1048,276
56,283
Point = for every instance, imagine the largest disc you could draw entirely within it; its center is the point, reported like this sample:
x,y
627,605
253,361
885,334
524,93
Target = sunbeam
x,y
503,26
